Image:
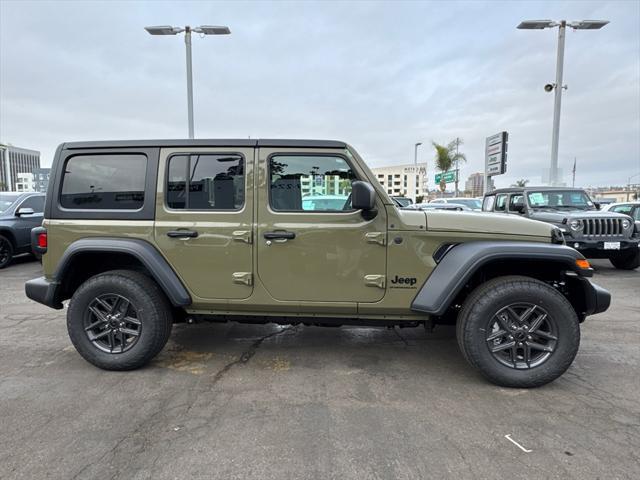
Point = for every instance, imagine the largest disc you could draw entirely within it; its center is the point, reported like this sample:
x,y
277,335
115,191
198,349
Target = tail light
x,y
42,240
39,240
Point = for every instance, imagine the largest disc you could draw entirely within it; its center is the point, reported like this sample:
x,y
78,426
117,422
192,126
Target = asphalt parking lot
x,y
235,401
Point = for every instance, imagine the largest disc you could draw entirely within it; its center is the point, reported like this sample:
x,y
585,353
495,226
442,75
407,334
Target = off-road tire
x,y
628,261
153,310
7,247
487,300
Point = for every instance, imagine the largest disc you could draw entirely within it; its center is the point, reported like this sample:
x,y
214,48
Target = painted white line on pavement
x,y
508,437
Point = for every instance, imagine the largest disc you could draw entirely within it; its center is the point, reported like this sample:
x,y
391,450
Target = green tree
x,y
447,157
521,183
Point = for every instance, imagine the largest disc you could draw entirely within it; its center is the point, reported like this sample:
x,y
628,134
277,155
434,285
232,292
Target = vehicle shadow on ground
x,y
208,348
21,260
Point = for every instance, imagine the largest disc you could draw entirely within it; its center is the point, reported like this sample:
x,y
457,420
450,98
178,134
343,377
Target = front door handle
x,y
279,235
182,234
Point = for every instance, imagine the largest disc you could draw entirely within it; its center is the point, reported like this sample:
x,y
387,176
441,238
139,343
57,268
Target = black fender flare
x,y
461,261
142,250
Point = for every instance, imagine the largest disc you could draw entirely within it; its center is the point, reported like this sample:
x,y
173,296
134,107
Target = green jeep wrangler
x,y
142,234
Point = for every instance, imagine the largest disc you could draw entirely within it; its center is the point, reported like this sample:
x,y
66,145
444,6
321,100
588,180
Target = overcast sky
x,y
379,75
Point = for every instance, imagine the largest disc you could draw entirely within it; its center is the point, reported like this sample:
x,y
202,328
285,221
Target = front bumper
x,y
596,298
595,248
43,291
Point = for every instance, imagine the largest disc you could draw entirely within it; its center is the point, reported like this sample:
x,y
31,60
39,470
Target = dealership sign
x,y
496,154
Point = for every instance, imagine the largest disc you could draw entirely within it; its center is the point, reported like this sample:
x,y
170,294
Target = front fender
x,y
461,261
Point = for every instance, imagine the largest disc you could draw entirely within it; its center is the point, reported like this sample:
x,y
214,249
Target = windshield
x,y
561,200
472,203
6,200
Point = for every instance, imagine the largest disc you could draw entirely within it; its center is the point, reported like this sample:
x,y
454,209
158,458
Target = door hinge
x,y
376,237
375,281
244,278
242,236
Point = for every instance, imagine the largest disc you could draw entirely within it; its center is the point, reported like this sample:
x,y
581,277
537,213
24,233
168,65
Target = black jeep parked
x,y
595,233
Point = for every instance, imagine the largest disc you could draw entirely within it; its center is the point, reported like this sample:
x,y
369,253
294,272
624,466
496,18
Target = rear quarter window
x,y
104,182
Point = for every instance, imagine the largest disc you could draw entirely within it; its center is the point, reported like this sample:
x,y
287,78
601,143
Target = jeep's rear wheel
x,y
6,251
518,332
119,320
627,261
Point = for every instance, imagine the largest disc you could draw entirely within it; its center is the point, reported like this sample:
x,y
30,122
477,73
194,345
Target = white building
x,y
403,180
25,182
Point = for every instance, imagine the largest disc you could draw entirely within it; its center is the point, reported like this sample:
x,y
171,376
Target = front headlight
x,y
626,224
575,225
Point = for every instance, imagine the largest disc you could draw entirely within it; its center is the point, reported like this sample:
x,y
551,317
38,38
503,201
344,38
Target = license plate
x,y
612,245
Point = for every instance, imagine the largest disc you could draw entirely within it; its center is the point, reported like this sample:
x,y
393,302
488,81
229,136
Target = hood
x,y
558,216
497,223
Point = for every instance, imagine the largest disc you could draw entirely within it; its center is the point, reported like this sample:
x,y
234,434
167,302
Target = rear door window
x,y
104,182
206,182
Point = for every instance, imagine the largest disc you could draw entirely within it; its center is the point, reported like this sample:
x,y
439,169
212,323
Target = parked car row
x,y
19,213
612,233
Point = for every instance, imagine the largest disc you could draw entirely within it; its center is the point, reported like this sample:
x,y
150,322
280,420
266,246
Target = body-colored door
x,y
204,219
311,245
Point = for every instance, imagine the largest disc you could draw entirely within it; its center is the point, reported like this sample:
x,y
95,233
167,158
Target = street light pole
x,y
558,86
415,163
555,137
187,43
203,29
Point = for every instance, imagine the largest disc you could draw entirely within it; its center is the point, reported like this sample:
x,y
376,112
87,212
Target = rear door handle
x,y
279,235
182,234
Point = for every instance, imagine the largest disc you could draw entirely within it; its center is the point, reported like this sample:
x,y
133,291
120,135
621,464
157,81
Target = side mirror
x,y
519,207
363,196
24,211
597,205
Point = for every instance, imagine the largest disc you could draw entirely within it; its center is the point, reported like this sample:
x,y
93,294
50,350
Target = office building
x,y
14,161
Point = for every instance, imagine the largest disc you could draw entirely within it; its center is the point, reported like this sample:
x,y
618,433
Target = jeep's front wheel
x,y
518,332
119,320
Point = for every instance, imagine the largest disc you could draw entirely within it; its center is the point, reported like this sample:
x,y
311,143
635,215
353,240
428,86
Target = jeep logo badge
x,y
409,281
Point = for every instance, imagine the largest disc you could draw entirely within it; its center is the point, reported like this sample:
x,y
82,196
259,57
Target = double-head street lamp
x,y
562,25
203,29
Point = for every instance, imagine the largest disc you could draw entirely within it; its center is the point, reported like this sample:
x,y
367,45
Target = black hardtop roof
x,y
216,142
537,189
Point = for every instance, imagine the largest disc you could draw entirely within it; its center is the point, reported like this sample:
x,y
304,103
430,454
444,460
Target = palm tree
x,y
521,183
447,157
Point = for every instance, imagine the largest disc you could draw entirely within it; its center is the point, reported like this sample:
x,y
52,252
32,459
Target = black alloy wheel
x,y
522,335
111,323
